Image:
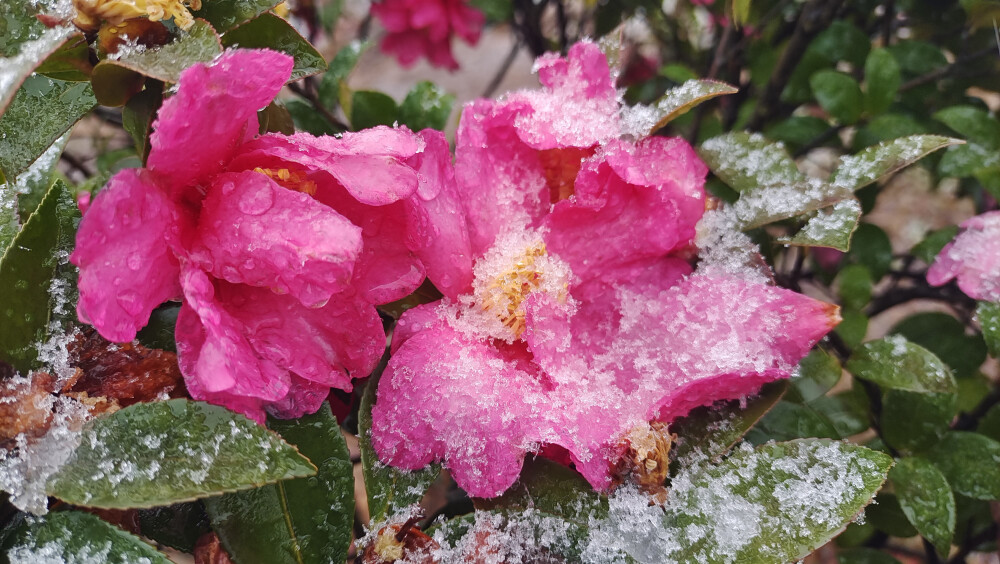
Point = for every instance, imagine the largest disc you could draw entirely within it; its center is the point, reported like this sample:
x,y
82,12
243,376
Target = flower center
x,y
297,181
90,13
503,295
561,167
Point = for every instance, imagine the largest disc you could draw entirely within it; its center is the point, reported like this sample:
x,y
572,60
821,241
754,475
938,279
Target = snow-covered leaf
x,y
551,488
36,180
160,453
875,163
272,32
895,363
74,537
389,489
831,227
971,462
27,272
300,521
647,120
747,160
767,204
926,499
41,111
713,430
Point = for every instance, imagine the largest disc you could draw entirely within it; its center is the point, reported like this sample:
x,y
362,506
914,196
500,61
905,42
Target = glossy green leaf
x,y
74,537
887,516
863,555
71,61
745,161
918,57
776,503
40,113
945,336
27,270
895,363
389,489
300,521
846,411
853,327
797,131
842,41
370,108
712,430
971,462
838,94
818,372
678,101
912,422
224,15
329,89
973,124
552,488
968,160
878,162
160,453
926,500
886,127
177,526
273,32
988,314
831,227
115,80
741,11
426,106
932,244
276,118
36,180
787,421
871,247
854,285
306,118
882,80
138,115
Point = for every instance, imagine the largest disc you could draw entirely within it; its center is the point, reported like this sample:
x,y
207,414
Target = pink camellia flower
x,y
278,245
973,258
424,28
581,323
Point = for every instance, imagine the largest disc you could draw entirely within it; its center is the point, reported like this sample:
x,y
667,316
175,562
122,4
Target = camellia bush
x,y
722,287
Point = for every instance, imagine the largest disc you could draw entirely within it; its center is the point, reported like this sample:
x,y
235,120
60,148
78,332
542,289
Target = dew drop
x,y
256,200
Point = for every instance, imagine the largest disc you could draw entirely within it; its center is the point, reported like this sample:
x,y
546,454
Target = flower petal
x,y
254,231
123,249
198,129
631,203
973,257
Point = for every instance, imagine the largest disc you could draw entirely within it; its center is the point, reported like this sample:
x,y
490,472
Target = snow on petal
x,y
123,249
254,231
198,129
973,258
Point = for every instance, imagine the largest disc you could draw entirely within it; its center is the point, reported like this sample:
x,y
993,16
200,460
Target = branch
x,y
310,96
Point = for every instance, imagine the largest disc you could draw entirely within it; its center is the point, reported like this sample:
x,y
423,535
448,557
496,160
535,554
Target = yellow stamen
x,y
503,296
90,13
297,181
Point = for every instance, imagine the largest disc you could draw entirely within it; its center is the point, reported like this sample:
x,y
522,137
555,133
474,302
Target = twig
x,y
310,96
944,71
76,164
713,71
502,71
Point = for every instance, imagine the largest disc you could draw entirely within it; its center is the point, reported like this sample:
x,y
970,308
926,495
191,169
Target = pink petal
x,y
304,397
370,164
973,257
214,354
124,251
328,345
630,203
199,128
447,258
254,231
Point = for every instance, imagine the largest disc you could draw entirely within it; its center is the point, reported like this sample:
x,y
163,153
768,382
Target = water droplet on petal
x,y
256,200
134,261
130,302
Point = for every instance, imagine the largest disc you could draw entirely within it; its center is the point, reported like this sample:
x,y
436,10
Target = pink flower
x,y
278,245
424,28
580,322
973,258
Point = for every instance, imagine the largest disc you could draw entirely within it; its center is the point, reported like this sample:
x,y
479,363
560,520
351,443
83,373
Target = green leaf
x,y
897,364
678,101
74,537
300,521
306,118
745,161
36,180
70,62
741,11
863,555
160,453
224,15
878,162
27,270
776,503
886,127
340,68
842,41
797,131
911,421
918,57
932,244
40,113
389,489
887,516
818,372
971,462
370,108
872,248
968,160
552,488
988,314
177,526
273,32
712,430
989,425
853,327
115,81
882,80
838,94
927,501
138,115
831,227
787,421
769,204
426,106
975,125
945,336
854,285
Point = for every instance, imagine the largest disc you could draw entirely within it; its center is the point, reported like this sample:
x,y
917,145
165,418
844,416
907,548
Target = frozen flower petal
x,y
199,129
973,258
127,266
254,231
